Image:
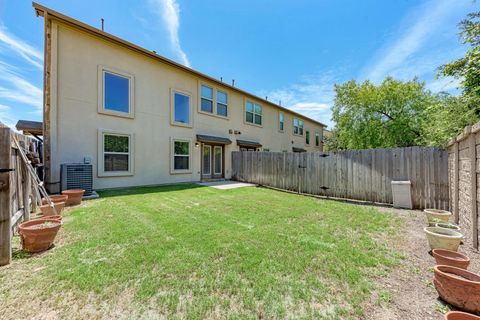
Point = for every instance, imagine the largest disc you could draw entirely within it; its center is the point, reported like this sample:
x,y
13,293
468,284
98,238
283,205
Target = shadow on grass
x,y
147,189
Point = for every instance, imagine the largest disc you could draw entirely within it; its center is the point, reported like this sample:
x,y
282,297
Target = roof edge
x,y
41,10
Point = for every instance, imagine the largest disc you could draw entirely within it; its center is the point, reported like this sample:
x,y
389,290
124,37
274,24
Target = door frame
x,y
212,174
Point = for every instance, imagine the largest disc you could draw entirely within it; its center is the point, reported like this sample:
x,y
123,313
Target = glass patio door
x,y
212,161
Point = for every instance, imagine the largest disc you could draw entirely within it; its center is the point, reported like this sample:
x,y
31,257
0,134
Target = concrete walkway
x,y
225,185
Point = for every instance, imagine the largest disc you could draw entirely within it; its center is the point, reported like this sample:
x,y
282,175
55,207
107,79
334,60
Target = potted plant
x,y
436,215
47,210
459,287
441,238
52,217
56,198
451,258
38,234
74,196
448,225
458,315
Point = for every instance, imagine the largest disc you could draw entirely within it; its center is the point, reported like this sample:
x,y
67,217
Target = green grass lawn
x,y
194,252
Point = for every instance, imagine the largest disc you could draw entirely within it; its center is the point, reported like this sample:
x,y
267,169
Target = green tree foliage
x,y
388,115
468,67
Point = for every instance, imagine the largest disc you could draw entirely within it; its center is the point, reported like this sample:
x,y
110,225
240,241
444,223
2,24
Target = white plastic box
x,y
402,194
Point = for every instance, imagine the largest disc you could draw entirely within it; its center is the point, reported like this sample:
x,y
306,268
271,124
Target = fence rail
x,y
355,174
17,199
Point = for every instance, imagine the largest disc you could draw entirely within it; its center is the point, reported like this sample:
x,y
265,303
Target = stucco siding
x,y
76,120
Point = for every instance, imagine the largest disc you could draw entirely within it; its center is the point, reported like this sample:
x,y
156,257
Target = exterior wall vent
x,y
76,176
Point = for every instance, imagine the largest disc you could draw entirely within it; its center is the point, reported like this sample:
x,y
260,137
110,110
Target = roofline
x,y
41,10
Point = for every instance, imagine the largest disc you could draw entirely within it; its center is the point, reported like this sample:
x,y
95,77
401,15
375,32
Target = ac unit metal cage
x,y
76,176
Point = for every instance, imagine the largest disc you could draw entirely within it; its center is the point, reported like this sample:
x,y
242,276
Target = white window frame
x,y
300,125
281,121
172,155
172,108
214,101
101,154
254,113
101,92
215,160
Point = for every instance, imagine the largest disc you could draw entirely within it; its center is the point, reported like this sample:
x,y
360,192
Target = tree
x,y
468,67
391,114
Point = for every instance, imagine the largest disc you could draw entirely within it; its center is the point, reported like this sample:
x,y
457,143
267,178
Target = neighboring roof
x,y
246,143
30,127
41,10
213,139
295,149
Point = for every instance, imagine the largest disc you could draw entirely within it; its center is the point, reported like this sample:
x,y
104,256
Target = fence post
x,y
456,189
473,188
5,196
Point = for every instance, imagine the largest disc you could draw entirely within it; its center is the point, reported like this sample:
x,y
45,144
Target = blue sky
x,y
290,51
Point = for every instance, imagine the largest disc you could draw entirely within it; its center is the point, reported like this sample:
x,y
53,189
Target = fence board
x,y
353,174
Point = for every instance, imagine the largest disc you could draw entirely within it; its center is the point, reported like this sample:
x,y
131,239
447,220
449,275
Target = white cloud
x,y
311,96
29,53
6,117
14,88
401,57
169,11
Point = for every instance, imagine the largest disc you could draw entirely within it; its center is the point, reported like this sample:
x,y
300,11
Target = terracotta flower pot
x,y
458,315
448,226
459,287
48,211
451,258
38,235
441,238
53,217
74,196
435,216
56,198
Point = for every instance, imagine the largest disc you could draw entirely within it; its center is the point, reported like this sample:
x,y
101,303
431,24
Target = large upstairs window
x,y
253,113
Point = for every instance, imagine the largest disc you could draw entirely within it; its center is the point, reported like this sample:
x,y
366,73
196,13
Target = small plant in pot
x,y
437,216
448,226
74,196
39,234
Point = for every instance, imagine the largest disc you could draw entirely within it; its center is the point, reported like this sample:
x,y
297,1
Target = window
x,y
280,121
222,103
217,153
115,153
207,99
181,160
297,126
213,101
181,108
307,137
253,113
115,92
317,139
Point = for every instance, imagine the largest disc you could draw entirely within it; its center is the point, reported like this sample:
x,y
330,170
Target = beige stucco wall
x,y
75,120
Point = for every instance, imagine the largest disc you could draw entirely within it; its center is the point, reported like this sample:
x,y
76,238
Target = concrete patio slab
x,y
225,185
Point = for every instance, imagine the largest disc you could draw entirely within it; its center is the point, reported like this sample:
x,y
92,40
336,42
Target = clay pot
x,y
458,315
436,215
441,238
451,258
35,239
74,196
56,198
48,211
459,287
53,217
448,226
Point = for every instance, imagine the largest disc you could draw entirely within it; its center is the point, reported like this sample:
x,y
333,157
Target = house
x,y
142,119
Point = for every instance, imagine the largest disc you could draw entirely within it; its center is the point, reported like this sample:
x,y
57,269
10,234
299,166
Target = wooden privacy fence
x,y
17,199
464,174
355,174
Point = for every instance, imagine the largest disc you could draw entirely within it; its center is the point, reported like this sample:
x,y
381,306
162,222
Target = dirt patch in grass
x,y
407,292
